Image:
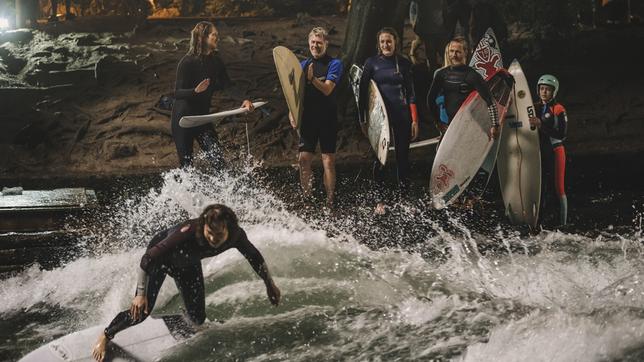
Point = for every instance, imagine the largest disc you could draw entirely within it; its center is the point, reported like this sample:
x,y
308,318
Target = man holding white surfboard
x,y
456,82
177,252
319,114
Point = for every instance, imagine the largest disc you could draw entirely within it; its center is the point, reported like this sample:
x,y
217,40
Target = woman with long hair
x,y
199,73
392,73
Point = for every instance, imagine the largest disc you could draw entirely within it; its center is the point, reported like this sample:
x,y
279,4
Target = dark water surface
x,y
415,284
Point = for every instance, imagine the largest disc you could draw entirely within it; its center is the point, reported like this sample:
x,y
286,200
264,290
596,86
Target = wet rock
x,y
111,69
87,40
115,149
12,63
78,77
45,66
18,37
42,54
63,51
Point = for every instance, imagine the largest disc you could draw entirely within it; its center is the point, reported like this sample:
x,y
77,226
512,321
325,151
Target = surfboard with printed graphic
x,y
519,159
486,60
465,146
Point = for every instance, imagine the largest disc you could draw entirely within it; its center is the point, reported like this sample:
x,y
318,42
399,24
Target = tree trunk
x,y
365,18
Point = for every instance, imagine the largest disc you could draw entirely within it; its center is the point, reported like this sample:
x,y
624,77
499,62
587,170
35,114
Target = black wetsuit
x,y
395,82
456,83
178,254
319,116
190,72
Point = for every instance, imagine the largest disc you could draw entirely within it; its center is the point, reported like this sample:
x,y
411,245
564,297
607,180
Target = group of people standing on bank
x,y
178,251
201,72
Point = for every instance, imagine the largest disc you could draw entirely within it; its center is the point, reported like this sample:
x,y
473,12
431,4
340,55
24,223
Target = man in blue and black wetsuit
x,y
319,116
457,81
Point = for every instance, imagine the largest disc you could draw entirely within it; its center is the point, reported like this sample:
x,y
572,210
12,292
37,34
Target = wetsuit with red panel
x,y
552,132
393,76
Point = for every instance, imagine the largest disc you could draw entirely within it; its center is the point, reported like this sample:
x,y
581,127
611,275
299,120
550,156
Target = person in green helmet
x,y
552,122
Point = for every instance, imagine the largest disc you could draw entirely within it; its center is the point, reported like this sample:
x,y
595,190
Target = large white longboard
x,y
196,121
377,118
147,341
292,81
519,160
466,144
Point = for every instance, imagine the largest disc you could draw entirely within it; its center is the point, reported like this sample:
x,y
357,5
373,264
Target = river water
x,y
411,285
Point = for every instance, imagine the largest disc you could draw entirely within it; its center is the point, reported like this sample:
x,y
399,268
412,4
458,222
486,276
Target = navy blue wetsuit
x,y
177,252
394,79
456,83
190,72
319,116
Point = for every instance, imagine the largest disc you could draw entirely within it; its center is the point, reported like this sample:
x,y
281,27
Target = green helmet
x,y
551,80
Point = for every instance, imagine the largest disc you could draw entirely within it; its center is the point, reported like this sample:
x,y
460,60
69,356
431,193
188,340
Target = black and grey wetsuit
x,y
177,252
456,83
190,72
394,79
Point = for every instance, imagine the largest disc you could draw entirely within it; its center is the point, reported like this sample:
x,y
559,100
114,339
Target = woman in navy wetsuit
x,y
177,252
392,73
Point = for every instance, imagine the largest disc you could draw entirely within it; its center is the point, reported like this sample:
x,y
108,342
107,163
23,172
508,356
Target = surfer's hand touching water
x,y
138,307
274,294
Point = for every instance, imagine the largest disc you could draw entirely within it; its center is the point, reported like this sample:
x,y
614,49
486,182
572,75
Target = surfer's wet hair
x,y
392,32
460,40
217,214
319,31
199,38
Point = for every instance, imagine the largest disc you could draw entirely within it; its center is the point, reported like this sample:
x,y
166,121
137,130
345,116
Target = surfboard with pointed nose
x,y
148,341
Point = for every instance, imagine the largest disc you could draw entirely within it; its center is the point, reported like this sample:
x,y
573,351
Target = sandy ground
x,y
82,97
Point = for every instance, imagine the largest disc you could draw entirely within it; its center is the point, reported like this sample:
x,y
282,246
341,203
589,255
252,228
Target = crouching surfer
x,y
177,252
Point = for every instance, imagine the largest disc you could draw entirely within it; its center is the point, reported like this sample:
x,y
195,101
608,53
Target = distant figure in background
x,y
484,15
54,11
199,73
552,123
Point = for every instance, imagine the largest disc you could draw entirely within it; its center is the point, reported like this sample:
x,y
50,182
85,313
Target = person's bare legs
x,y
328,161
98,352
306,174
